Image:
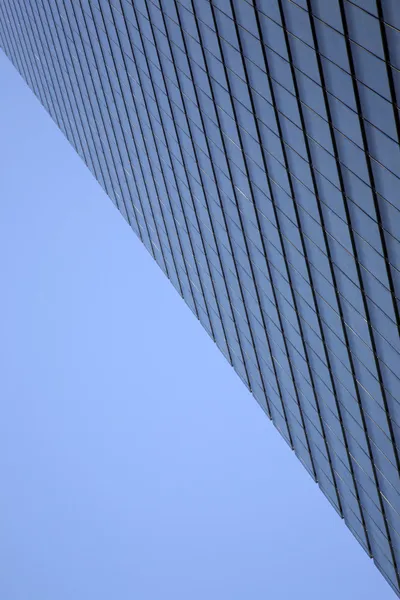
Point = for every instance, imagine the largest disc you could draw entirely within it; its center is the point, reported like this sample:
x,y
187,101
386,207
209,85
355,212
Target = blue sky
x,y
134,463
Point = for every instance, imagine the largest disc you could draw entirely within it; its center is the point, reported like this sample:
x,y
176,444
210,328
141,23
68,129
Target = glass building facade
x,y
253,146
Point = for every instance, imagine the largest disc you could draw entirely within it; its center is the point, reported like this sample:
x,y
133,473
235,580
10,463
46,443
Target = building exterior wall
x,y
253,146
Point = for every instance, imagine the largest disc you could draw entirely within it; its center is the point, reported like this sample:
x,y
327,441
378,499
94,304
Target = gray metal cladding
x,y
253,146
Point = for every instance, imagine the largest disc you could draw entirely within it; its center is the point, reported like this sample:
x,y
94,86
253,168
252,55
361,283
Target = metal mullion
x,y
323,56
59,50
381,16
183,182
218,242
280,84
204,225
189,185
317,293
335,128
174,175
75,61
110,153
349,350
295,151
327,246
324,231
165,178
91,141
297,69
94,135
55,51
278,380
16,57
159,201
12,55
52,72
161,169
140,166
334,285
46,76
361,8
41,90
92,145
39,87
293,95
376,205
299,316
396,116
308,151
291,173
300,294
239,280
292,149
228,286
66,105
138,230
367,310
283,334
308,271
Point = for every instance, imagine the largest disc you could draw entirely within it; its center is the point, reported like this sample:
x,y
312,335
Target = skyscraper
x,y
253,146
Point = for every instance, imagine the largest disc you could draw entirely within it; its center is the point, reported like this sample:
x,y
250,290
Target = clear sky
x,y
133,462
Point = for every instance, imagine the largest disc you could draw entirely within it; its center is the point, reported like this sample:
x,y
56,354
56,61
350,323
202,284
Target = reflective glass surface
x,y
253,146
